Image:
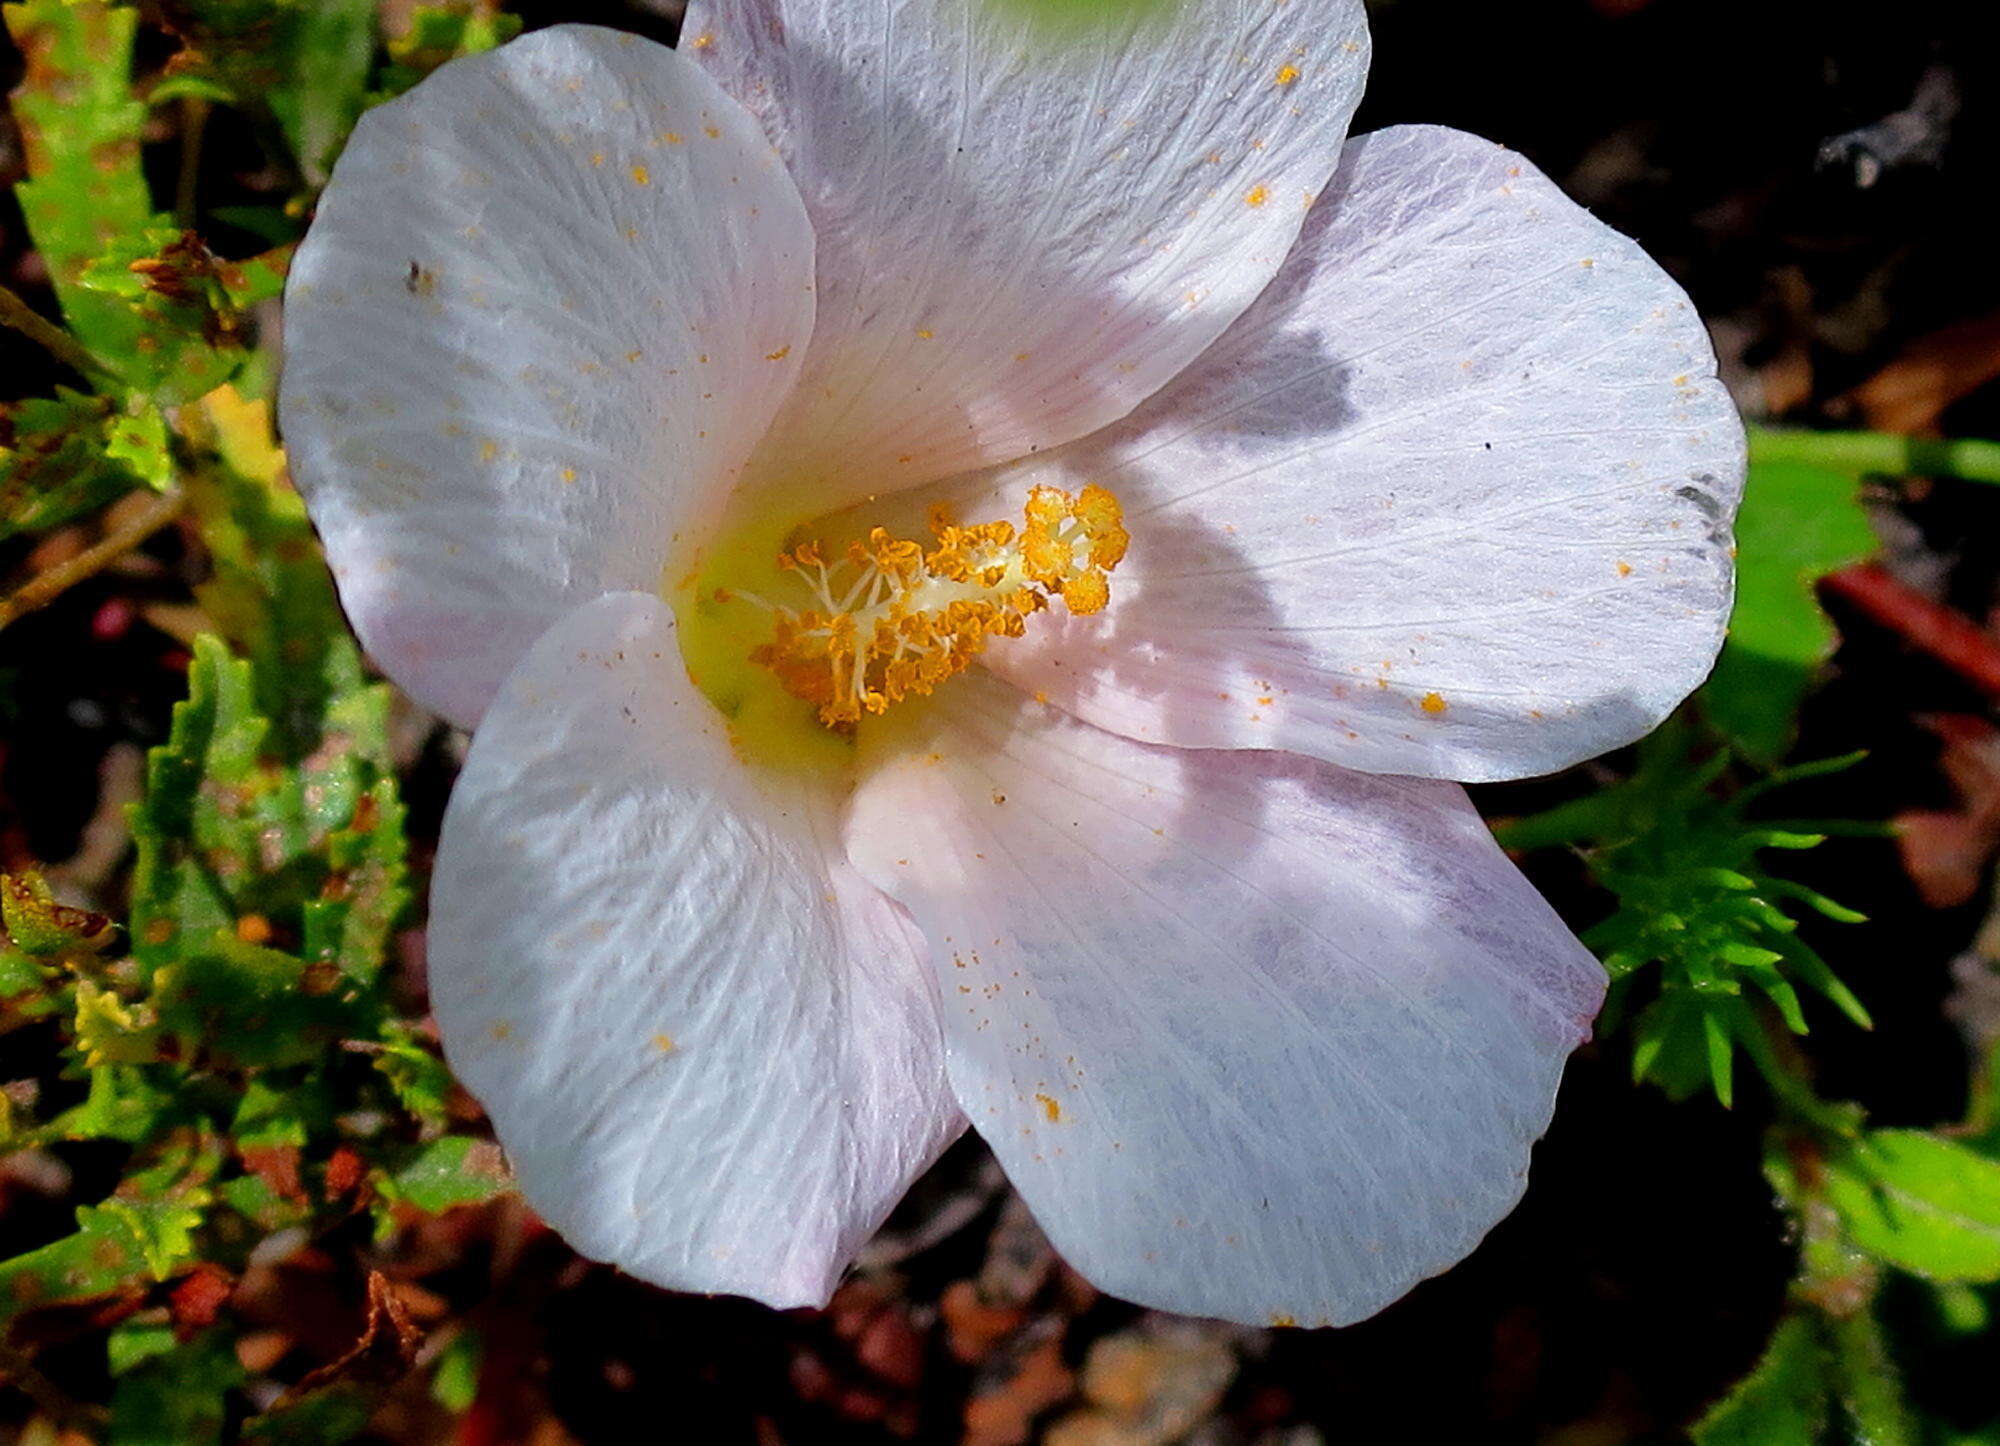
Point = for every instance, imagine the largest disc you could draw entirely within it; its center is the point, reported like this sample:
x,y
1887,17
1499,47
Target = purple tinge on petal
x,y
709,1047
1256,1037
1024,231
1453,499
551,300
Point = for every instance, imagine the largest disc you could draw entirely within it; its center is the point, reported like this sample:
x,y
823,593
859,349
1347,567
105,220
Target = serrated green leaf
x,y
124,1103
255,1007
237,848
80,127
109,1031
418,1077
1798,523
186,307
1921,1203
118,1246
67,455
1782,1402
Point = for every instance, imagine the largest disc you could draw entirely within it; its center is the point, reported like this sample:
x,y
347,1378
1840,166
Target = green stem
x,y
1878,452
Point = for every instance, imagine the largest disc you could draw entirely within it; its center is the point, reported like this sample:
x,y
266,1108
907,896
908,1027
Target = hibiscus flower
x,y
976,549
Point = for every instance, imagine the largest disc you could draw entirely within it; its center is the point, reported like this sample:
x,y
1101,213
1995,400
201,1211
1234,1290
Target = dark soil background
x,y
1847,268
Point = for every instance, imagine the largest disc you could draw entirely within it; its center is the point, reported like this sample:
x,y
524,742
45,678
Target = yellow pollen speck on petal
x,y
488,451
641,176
672,138
1624,569
1433,703
664,1043
702,41
1286,75
597,158
501,1030
1284,1322
568,475
714,133
925,333
1257,195
1051,1108
779,355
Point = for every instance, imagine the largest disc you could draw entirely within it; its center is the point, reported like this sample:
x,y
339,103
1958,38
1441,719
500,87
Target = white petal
x,y
550,303
1023,232
709,1047
1453,499
1255,1037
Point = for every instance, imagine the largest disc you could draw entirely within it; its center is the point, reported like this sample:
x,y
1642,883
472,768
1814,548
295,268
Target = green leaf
x,y
327,1417
255,1007
1923,1204
177,1398
417,1076
1798,523
187,307
125,1103
327,48
67,455
439,33
134,1342
237,848
80,128
455,1381
1699,920
1783,1401
456,1170
110,1031
40,926
118,1246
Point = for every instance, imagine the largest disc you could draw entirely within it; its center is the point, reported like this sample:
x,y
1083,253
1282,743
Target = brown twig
x,y
65,348
44,588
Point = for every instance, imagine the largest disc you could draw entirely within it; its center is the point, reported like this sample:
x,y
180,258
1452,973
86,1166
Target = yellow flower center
x,y
892,619
767,620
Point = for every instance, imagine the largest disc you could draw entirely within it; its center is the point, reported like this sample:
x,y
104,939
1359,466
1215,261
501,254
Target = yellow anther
x,y
894,620
1088,593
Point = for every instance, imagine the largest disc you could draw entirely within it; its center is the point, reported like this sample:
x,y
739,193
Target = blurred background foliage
x,y
242,1200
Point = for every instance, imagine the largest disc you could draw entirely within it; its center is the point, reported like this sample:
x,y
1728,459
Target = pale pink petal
x,y
1024,230
710,1049
551,300
1256,1037
1453,499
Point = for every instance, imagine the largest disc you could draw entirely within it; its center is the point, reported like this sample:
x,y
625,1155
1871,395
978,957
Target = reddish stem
x,y
1944,633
